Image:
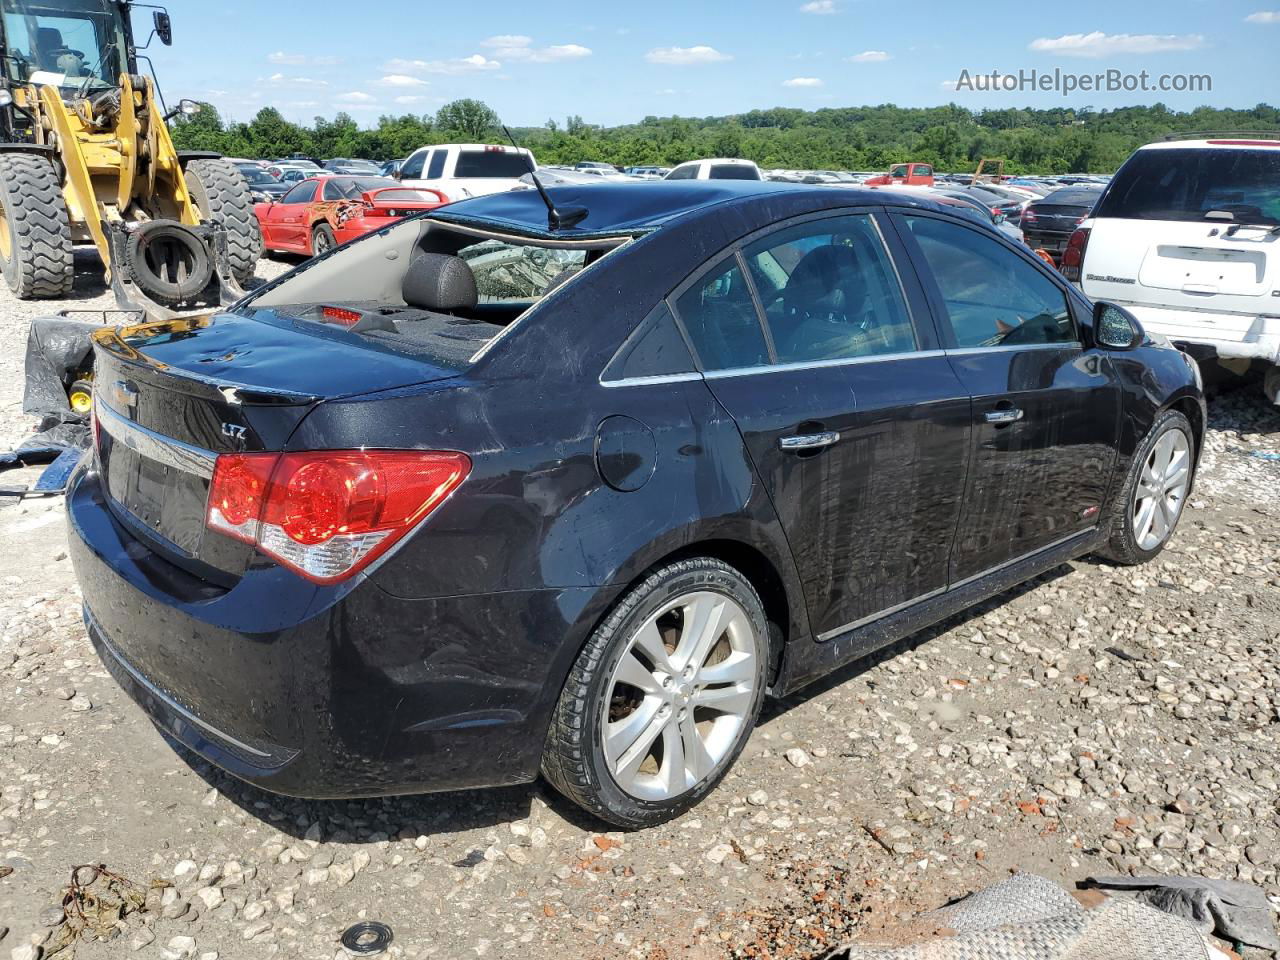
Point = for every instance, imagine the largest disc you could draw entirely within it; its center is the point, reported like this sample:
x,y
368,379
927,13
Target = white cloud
x,y
1263,16
821,7
507,40
280,78
681,56
948,84
1099,44
870,56
407,99
802,82
354,96
519,47
301,59
473,64
402,80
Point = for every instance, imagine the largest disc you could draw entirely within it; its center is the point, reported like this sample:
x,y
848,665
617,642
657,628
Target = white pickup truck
x,y
461,170
1187,237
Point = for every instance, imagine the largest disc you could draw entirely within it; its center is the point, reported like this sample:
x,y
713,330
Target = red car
x,y
318,214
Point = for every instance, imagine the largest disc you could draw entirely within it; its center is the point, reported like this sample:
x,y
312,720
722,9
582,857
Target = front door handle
x,y
1004,415
808,441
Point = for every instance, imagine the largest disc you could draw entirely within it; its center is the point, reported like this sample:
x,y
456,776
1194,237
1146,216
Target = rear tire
x,y
1127,543
35,229
80,397
663,697
223,198
322,239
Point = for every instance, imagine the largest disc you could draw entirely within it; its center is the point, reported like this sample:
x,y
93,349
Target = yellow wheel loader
x,y
86,157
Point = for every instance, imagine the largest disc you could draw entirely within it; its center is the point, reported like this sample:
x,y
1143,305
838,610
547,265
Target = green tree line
x,y
1059,140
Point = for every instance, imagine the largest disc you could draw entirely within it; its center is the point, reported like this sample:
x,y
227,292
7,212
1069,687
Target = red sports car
x,y
318,214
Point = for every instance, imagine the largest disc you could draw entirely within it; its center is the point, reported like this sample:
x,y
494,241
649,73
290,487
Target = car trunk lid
x,y
1215,267
170,397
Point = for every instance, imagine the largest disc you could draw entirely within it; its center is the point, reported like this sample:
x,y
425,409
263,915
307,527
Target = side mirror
x,y
164,27
1115,328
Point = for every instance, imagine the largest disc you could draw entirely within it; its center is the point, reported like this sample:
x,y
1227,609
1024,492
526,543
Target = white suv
x,y
1187,237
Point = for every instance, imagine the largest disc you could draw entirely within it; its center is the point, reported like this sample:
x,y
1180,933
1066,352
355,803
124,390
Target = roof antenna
x,y
567,218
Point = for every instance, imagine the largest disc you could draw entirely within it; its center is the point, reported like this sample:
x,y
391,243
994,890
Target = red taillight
x,y
1073,255
341,316
328,514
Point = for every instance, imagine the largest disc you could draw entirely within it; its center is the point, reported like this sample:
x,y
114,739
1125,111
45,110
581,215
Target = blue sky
x,y
616,63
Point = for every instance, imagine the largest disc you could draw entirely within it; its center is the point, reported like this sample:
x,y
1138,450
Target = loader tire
x,y
223,198
35,229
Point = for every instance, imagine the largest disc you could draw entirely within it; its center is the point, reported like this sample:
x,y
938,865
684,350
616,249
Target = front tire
x,y
663,697
222,196
35,229
1149,504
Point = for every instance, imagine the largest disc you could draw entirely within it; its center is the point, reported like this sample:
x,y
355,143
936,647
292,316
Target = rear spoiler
x,y
371,196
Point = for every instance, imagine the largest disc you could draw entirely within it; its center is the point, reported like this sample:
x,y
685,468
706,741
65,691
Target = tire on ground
x,y
35,252
223,198
1122,545
323,239
573,755
168,262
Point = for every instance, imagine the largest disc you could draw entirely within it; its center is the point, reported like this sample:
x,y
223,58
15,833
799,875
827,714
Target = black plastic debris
x,y
367,938
59,351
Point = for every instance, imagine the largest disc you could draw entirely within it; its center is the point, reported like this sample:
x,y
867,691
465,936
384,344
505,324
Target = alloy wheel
x,y
1161,490
680,695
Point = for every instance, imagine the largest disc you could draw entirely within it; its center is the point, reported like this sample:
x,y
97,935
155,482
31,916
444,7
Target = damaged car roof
x,y
627,209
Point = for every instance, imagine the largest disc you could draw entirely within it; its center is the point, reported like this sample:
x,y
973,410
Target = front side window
x,y
720,317
303,193
687,172
830,291
993,297
412,169
79,44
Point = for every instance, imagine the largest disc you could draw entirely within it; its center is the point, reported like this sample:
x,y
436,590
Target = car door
x,y
289,224
1046,407
855,422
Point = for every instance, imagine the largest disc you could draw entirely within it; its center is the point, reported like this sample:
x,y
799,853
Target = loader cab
x,y
75,45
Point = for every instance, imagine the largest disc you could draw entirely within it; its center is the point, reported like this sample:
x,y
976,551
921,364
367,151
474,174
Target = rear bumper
x,y
1226,335
313,692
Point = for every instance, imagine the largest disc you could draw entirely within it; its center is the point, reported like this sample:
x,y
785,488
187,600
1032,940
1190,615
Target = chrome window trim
x,y
155,446
821,364
651,381
1011,347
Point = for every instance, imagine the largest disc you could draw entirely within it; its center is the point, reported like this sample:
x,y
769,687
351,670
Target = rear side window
x,y
830,291
733,171
720,317
655,349
482,164
993,297
1216,184
435,169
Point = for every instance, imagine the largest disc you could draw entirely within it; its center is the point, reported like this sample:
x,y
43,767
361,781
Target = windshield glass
x,y
70,44
256,175
1213,184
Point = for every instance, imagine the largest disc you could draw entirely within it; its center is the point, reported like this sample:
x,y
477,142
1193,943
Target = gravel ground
x,y
1098,720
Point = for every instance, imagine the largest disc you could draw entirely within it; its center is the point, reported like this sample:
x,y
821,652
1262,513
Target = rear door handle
x,y
1008,415
808,441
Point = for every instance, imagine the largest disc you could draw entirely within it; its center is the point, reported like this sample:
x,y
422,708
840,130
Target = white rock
x,y
797,757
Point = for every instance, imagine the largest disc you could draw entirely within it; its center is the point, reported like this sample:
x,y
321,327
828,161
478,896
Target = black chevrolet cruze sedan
x,y
496,491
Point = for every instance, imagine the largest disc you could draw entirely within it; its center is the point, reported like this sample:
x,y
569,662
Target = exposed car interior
x,y
423,287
